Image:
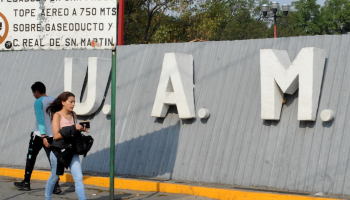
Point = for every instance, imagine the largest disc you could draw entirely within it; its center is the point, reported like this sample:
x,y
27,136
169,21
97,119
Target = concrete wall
x,y
234,146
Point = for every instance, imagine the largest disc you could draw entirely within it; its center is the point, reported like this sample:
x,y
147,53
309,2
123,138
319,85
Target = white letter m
x,y
279,76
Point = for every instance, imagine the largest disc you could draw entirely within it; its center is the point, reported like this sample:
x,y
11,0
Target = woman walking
x,y
63,119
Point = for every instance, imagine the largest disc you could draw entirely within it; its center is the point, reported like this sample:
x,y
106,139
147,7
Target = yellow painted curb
x,y
157,186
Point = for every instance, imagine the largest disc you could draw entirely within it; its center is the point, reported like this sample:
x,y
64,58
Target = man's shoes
x,y
57,189
22,185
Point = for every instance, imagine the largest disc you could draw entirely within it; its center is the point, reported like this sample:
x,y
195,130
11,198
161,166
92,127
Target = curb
x,y
158,186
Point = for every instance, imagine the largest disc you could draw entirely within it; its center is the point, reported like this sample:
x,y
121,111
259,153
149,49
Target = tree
x,y
246,21
163,21
335,17
306,17
228,20
145,17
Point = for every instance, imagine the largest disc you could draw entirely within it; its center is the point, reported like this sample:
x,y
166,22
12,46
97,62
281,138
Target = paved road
x,y
9,192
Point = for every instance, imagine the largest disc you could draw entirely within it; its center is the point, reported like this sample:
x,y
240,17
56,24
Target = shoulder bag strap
x,y
73,118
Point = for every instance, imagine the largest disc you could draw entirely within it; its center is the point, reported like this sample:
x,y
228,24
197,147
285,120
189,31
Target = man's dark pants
x,y
35,145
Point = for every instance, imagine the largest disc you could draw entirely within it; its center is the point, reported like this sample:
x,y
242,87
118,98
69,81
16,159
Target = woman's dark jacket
x,y
64,149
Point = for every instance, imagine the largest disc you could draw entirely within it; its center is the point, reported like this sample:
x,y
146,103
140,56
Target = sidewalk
x,y
96,187
8,192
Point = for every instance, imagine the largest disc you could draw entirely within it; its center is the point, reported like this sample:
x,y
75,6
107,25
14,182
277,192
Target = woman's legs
x,y
75,168
50,184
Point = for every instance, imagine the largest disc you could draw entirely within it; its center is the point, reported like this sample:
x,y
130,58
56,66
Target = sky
x,y
281,2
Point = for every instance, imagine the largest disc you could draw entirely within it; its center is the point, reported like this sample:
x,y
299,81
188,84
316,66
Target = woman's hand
x,y
85,129
79,127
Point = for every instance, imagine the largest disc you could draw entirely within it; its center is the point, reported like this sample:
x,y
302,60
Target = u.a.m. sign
x,y
55,25
278,76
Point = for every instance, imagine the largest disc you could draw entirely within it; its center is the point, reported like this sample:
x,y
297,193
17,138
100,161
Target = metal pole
x,y
121,23
112,145
112,142
275,24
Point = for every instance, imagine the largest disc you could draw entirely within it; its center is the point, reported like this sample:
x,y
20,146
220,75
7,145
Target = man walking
x,y
42,135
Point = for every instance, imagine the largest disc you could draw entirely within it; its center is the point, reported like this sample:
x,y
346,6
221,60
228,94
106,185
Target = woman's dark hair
x,y
39,86
56,105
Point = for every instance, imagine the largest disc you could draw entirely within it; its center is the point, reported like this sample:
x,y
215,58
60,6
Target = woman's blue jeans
x,y
75,168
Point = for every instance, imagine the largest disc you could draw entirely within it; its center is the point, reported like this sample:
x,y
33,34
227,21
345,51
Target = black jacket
x,y
64,149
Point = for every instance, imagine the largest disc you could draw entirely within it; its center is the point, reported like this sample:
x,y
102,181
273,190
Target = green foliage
x,y
163,21
335,17
306,17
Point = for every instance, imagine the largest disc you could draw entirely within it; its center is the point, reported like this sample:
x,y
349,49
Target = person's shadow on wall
x,y
149,155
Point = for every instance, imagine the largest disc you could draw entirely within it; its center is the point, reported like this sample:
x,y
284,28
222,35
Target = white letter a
x,y
175,86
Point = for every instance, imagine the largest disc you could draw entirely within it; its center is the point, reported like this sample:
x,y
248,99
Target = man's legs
x,y
35,145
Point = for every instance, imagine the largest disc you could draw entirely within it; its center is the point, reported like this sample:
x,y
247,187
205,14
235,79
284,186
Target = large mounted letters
x,y
97,80
279,75
175,86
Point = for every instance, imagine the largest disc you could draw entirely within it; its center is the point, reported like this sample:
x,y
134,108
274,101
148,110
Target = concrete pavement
x,y
9,192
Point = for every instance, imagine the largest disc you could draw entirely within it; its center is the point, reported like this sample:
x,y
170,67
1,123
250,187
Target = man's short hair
x,y
39,86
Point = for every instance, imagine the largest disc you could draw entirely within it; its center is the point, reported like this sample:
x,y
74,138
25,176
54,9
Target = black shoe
x,y
22,185
56,189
